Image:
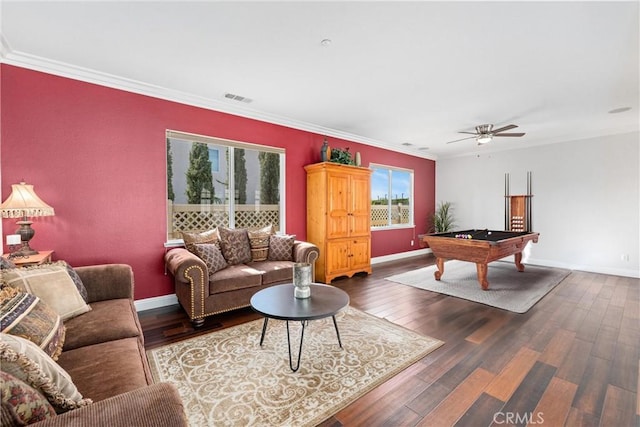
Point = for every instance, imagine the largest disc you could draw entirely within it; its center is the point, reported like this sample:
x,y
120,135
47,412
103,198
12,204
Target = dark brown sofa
x,y
104,355
202,294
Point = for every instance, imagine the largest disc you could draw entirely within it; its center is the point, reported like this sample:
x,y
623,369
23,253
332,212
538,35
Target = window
x,y
214,158
215,182
391,197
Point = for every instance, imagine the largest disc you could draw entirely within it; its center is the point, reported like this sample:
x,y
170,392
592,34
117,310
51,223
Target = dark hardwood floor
x,y
573,359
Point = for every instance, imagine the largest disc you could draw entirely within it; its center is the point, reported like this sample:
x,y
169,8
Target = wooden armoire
x,y
339,219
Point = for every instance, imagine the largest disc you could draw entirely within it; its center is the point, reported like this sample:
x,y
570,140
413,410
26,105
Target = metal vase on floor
x,y
301,280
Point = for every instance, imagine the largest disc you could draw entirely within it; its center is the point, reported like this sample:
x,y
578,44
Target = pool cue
x,y
527,224
506,202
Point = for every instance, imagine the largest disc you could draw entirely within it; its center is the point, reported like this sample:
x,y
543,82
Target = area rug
x,y
509,289
226,379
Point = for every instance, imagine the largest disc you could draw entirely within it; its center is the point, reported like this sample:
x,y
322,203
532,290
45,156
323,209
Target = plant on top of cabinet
x,y
338,155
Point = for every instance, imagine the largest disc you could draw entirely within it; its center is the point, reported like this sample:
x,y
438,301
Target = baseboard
x,y
156,302
623,272
401,255
166,300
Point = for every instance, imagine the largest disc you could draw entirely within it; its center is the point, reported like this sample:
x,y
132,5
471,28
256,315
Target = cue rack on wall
x,y
517,209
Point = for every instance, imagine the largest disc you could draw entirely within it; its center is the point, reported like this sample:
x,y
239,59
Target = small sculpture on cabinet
x,y
325,151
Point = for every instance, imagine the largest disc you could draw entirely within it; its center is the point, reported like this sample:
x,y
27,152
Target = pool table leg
x,y
518,260
440,264
482,275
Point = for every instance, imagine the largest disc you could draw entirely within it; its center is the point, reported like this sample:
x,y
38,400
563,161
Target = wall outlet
x,y
412,243
624,257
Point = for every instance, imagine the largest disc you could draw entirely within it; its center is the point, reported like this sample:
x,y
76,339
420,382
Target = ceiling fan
x,y
485,133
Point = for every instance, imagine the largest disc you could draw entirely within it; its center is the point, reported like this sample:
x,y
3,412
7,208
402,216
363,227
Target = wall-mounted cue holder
x,y
517,208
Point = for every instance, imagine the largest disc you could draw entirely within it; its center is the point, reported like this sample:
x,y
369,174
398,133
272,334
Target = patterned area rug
x,y
509,289
226,378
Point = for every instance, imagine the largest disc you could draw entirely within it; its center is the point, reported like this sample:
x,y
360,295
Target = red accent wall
x,y
97,155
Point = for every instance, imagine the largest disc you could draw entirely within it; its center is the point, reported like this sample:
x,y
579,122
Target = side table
x,y
278,302
41,257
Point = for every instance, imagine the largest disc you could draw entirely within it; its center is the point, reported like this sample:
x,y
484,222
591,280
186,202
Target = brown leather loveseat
x,y
203,294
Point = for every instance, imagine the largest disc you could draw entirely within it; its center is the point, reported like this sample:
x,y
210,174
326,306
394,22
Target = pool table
x,y
479,246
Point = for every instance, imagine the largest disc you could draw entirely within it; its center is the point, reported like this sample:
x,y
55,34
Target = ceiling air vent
x,y
238,98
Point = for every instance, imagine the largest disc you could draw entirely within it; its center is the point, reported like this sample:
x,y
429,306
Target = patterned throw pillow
x,y
25,404
76,281
209,236
211,255
281,247
25,315
52,284
259,241
25,361
235,245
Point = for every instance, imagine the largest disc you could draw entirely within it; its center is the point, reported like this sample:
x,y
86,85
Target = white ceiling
x,y
394,72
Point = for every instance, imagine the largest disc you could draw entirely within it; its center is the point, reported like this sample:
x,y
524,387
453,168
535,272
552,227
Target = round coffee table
x,y
278,302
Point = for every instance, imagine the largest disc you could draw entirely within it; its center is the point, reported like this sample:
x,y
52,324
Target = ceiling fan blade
x,y
470,133
469,137
509,134
507,127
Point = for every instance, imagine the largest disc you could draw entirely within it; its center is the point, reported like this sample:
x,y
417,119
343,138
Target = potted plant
x,y
442,219
341,156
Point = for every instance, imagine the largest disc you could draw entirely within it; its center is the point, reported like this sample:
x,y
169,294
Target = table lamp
x,y
23,203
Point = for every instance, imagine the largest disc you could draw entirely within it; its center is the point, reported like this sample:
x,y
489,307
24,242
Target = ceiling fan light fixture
x,y
483,139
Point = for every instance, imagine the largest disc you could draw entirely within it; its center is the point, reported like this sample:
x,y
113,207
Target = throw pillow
x,y
271,229
235,245
259,241
52,284
25,404
77,281
281,247
25,361
209,236
25,315
211,256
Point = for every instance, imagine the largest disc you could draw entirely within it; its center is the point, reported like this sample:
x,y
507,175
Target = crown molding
x,y
36,63
4,46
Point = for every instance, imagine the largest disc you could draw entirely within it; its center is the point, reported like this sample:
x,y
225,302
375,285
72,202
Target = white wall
x,y
586,203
